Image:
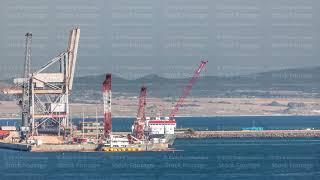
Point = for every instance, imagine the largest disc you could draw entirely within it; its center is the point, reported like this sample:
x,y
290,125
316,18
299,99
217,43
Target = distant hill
x,y
281,83
289,82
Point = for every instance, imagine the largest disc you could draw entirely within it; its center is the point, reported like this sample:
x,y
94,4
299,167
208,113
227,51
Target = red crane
x,y
142,103
106,87
138,126
187,89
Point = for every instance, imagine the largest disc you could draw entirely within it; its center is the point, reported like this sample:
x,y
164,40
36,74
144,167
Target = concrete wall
x,y
63,147
15,146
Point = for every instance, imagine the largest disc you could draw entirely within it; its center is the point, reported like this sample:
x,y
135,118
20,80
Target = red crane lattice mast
x,y
187,89
107,105
138,126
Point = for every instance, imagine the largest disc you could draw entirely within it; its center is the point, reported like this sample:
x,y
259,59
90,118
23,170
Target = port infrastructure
x,y
44,93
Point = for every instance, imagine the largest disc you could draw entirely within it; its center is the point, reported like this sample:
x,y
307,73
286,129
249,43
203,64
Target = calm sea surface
x,y
274,159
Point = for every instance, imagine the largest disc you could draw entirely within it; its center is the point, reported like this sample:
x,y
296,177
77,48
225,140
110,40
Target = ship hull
x,y
168,138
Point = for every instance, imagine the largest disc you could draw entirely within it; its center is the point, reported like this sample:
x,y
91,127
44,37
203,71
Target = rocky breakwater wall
x,y
251,134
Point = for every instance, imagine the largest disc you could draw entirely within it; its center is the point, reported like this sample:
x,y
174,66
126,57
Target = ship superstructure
x,y
162,129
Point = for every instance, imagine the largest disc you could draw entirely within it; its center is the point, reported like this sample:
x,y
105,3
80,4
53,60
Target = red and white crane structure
x,y
187,89
139,123
107,105
164,128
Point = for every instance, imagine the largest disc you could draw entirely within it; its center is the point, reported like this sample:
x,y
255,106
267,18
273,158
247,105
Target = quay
x,y
48,147
185,134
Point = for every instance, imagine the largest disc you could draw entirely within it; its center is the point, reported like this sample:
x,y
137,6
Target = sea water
x,y
225,158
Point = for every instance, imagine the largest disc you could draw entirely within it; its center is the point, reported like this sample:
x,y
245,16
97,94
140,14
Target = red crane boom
x,y
141,117
187,89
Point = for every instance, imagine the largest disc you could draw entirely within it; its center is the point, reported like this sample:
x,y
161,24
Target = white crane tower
x,y
45,92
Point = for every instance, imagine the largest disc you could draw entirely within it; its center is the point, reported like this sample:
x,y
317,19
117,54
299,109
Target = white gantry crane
x,y
45,93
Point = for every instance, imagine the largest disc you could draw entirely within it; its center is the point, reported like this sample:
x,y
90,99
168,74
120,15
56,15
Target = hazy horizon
x,y
167,38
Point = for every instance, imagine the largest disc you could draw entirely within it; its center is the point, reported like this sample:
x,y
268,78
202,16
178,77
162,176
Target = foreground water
x,y
286,159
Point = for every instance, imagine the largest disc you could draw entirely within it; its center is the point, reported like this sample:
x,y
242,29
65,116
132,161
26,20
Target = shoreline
x,y
199,107
204,116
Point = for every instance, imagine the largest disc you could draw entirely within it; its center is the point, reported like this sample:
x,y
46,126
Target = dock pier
x,y
179,135
48,147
